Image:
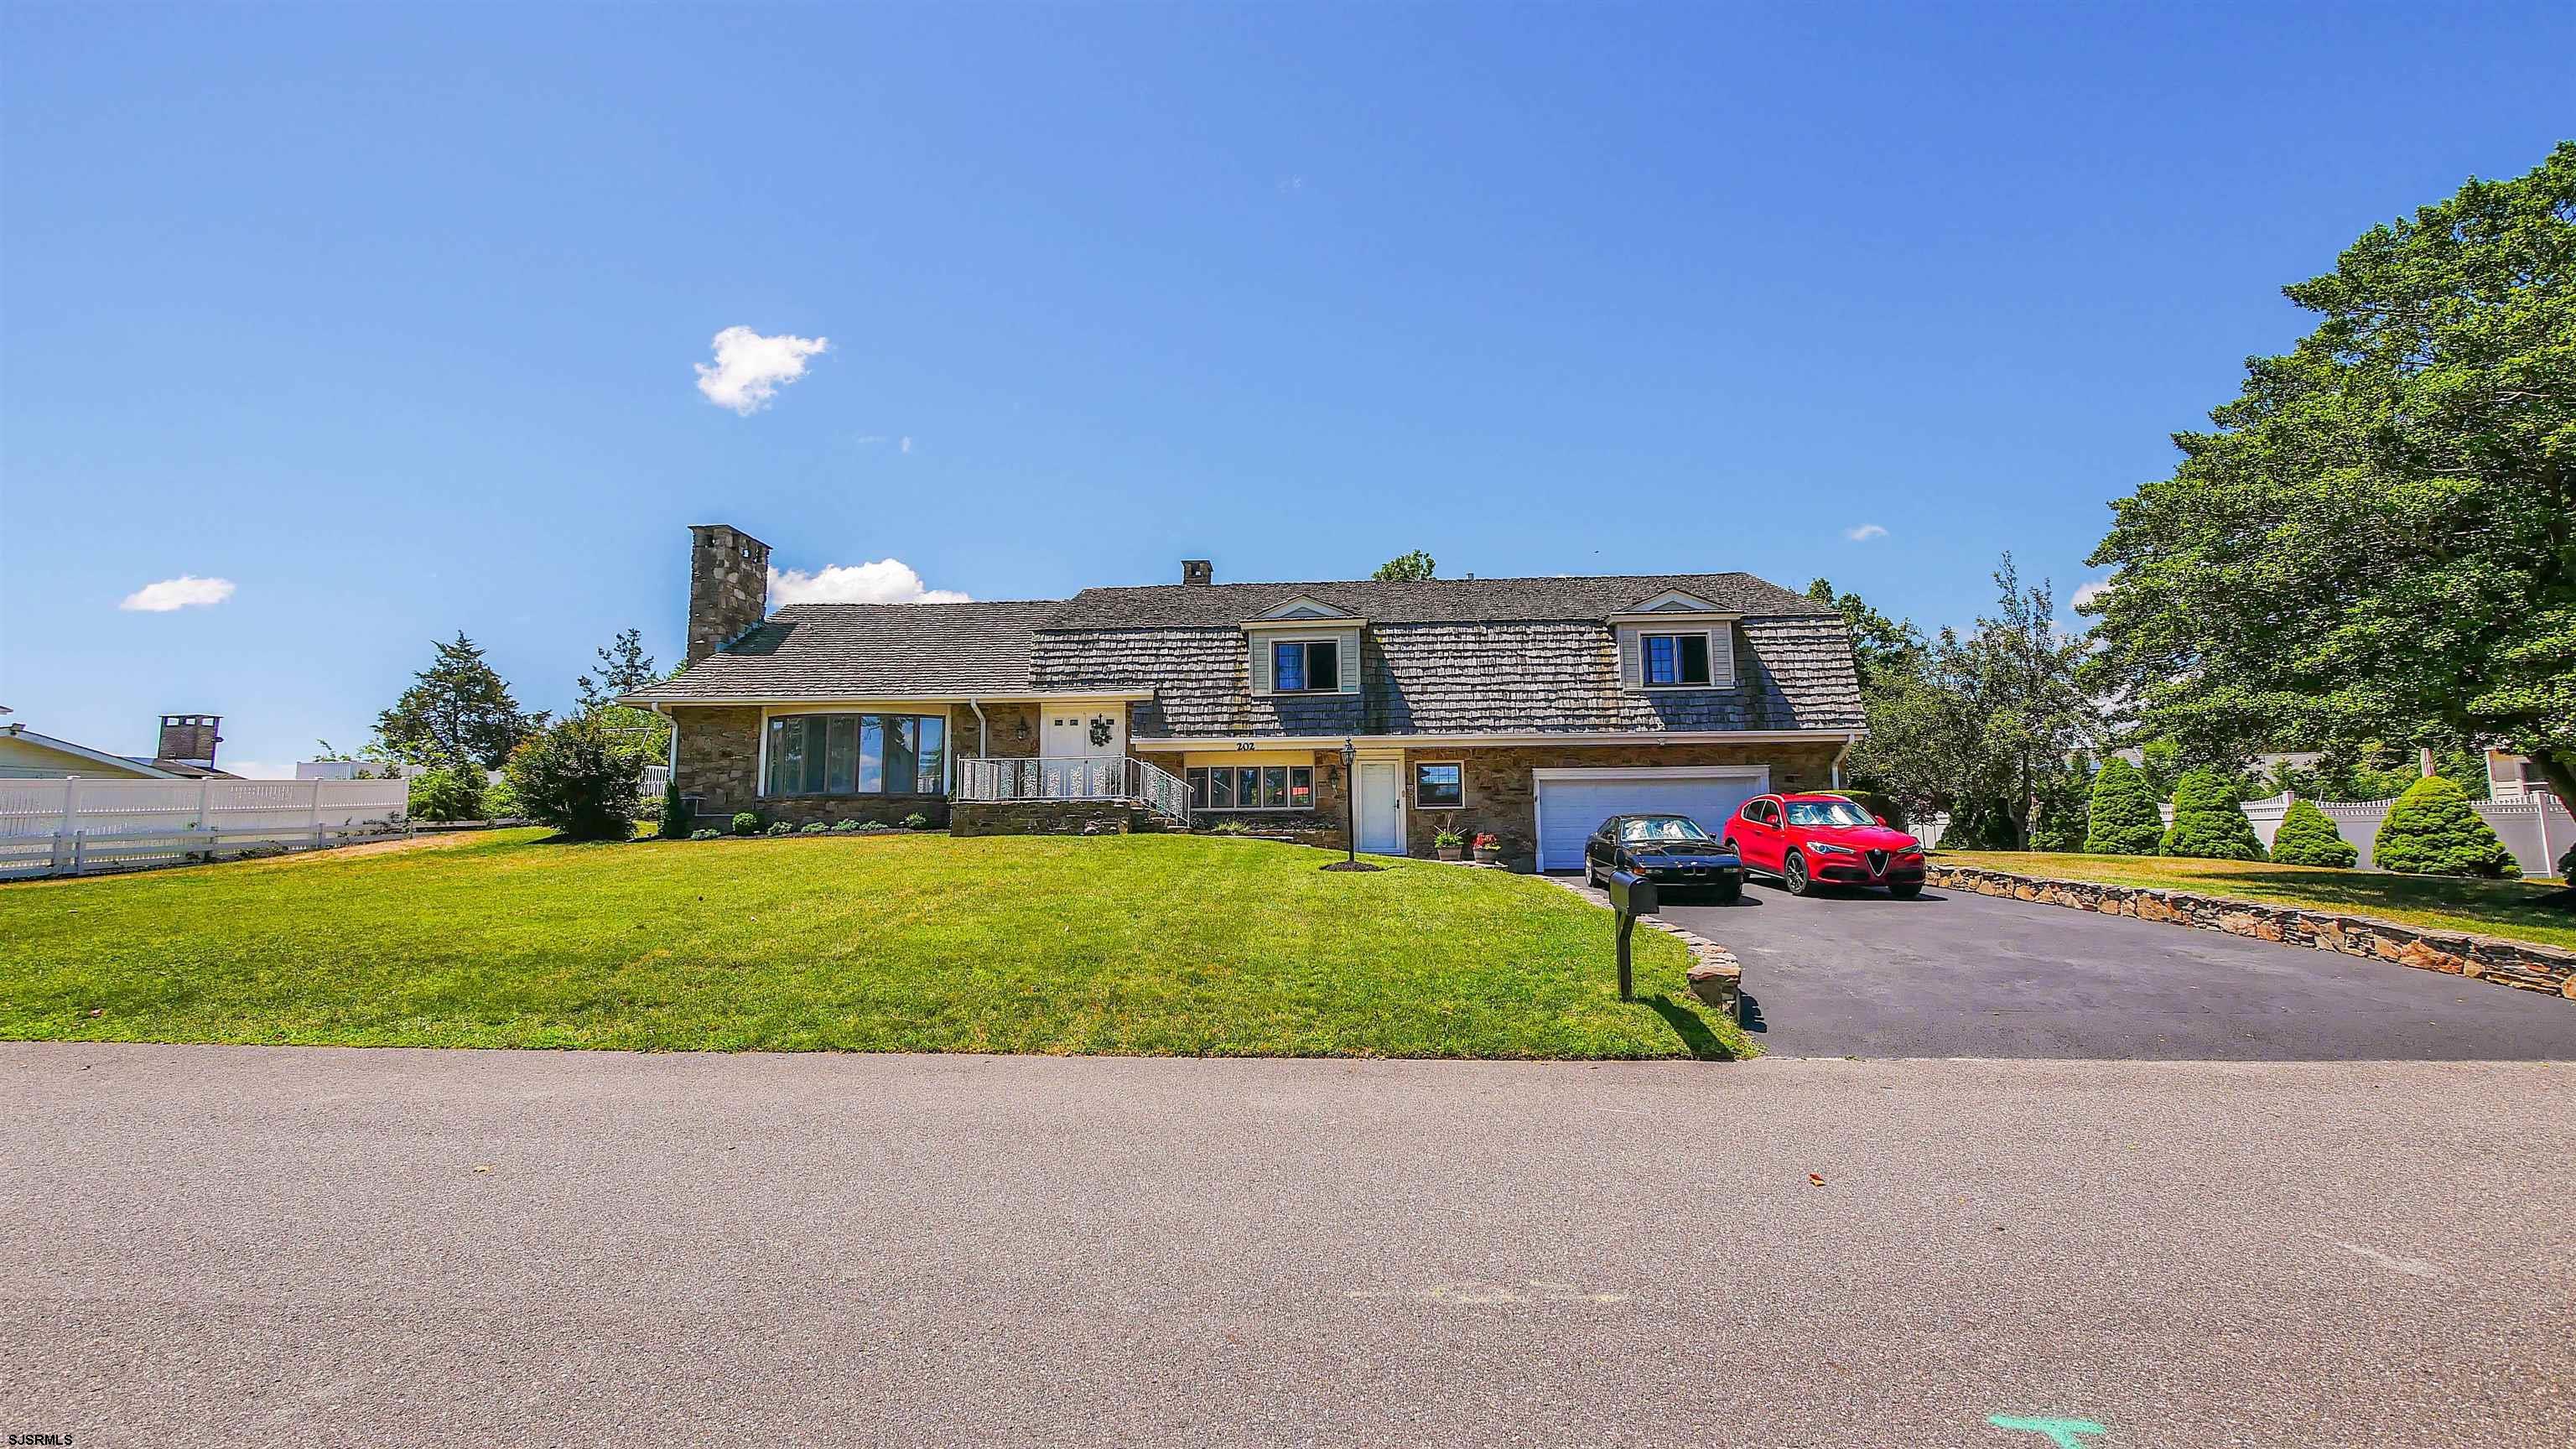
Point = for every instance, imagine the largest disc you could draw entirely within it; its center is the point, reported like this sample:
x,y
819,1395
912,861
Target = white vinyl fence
x,y
2537,828
71,827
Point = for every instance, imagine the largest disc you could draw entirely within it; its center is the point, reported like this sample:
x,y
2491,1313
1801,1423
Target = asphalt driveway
x,y
1955,974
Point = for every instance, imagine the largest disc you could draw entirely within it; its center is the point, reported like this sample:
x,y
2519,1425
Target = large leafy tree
x,y
457,712
1987,716
2378,540
1406,568
1882,648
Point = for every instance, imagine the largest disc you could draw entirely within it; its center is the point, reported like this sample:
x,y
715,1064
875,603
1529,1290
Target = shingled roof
x,y
869,651
1425,601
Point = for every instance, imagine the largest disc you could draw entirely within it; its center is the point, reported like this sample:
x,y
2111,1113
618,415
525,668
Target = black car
x,y
1670,850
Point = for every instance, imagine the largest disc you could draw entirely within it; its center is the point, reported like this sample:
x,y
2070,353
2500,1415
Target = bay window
x,y
857,754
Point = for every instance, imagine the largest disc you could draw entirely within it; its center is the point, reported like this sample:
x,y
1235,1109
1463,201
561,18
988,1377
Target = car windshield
x,y
1826,812
1661,828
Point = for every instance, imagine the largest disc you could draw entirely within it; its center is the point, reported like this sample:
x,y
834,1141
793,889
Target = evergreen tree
x,y
2432,831
457,712
2125,820
677,823
623,668
2207,823
2307,837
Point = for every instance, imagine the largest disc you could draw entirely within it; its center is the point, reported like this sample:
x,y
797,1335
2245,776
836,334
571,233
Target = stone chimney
x,y
189,737
1197,571
728,586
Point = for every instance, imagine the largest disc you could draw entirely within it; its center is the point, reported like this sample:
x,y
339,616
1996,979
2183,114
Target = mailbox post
x,y
1631,896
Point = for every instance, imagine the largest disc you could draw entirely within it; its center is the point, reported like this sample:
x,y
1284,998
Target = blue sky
x,y
391,319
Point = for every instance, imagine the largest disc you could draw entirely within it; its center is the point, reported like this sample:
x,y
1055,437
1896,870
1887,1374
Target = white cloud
x,y
887,581
187,591
750,369
907,442
1864,533
2086,593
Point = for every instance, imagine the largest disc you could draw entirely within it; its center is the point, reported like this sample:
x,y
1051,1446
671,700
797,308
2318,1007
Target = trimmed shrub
x,y
916,821
846,827
2208,824
782,828
816,828
578,778
2125,820
2307,837
676,818
447,793
2432,831
746,823
706,835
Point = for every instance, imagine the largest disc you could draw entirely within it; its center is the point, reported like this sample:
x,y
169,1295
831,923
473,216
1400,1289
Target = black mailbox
x,y
1633,895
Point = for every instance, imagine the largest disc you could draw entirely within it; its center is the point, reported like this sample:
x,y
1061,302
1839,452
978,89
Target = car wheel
x,y
1794,871
1591,872
1907,891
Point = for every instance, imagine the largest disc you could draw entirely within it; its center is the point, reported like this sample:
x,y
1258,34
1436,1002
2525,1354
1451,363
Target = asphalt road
x,y
1959,974
304,1246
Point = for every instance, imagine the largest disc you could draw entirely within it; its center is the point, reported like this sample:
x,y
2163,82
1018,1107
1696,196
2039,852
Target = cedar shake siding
x,y
1553,677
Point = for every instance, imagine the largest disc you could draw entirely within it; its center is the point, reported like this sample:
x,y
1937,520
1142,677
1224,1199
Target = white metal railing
x,y
1106,778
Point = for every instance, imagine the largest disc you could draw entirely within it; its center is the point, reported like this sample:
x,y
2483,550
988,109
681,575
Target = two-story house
x,y
1526,708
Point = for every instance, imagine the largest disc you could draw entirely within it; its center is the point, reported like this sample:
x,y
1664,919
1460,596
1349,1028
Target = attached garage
x,y
1572,803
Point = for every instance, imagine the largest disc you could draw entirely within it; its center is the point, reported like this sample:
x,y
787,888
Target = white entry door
x,y
1068,732
1381,815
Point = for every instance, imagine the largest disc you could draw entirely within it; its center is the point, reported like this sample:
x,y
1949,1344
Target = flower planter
x,y
1451,852
1488,855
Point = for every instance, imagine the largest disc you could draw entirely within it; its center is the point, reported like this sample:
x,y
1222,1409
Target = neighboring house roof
x,y
868,651
1458,601
142,769
184,769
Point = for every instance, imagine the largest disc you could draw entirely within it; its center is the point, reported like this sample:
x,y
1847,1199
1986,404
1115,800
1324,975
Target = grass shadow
x,y
1697,1039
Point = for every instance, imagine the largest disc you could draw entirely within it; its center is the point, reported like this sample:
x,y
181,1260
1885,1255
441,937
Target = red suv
x,y
1807,840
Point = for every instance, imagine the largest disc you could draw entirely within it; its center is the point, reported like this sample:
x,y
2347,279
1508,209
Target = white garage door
x,y
1573,803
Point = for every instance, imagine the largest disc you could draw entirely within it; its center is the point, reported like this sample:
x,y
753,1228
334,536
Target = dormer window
x,y
1677,661
1306,666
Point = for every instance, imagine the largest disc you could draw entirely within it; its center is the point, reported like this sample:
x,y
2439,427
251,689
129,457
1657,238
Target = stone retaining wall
x,y
2487,958
1039,817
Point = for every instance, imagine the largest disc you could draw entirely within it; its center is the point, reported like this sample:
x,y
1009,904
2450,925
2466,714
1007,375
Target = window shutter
x,y
1721,655
1262,658
1350,652
1632,668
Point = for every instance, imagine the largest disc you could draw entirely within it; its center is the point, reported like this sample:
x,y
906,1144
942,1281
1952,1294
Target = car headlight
x,y
1827,847
1911,850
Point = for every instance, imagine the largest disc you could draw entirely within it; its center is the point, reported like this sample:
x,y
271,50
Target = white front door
x,y
1074,731
1381,818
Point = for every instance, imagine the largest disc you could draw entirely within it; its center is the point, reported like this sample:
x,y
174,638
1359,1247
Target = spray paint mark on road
x,y
2064,1433
2411,1267
1479,1294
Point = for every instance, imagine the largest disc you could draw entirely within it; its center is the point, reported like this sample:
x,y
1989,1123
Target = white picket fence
x,y
72,827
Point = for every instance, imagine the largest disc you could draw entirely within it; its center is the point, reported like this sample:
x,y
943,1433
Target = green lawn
x,y
1145,944
2493,908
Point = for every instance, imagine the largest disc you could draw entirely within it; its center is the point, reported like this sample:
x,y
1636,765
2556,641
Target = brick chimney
x,y
728,586
1197,571
189,737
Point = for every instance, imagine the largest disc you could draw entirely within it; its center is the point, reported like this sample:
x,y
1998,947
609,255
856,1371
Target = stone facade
x,y
1014,727
1501,791
728,587
2486,958
720,771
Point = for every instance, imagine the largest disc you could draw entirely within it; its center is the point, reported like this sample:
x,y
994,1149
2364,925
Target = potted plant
x,y
1489,847
1450,844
